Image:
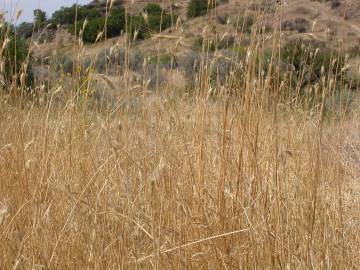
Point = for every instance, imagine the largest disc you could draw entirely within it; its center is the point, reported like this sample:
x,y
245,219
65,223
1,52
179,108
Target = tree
x,y
39,19
74,14
64,16
87,13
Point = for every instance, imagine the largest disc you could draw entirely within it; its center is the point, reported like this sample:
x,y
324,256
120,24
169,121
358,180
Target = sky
x,y
27,6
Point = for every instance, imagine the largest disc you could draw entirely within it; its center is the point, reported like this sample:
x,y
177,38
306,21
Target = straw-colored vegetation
x,y
253,164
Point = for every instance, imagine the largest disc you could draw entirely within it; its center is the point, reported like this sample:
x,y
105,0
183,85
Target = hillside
x,y
231,25
307,18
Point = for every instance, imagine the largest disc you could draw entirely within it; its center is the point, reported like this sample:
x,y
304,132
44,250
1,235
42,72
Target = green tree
x,y
69,15
64,16
39,19
87,13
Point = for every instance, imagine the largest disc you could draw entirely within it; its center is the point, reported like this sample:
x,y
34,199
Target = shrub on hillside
x,y
220,71
15,57
245,24
335,3
225,42
197,8
25,30
136,60
136,27
312,62
116,22
223,19
153,8
154,76
114,25
62,63
191,65
92,29
156,20
300,25
162,60
114,59
101,61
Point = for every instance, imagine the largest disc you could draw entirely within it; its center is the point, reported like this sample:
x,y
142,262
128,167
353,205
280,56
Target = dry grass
x,y
177,185
173,181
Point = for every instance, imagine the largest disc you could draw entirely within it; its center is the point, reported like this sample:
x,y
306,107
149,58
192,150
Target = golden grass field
x,y
250,178
178,184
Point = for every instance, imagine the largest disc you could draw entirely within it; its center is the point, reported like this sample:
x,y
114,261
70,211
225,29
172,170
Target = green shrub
x,y
62,63
312,67
191,66
15,56
197,8
25,30
92,29
136,61
116,22
226,42
114,25
343,99
101,61
163,59
152,8
137,25
220,71
245,24
157,20
117,59
314,61
155,78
